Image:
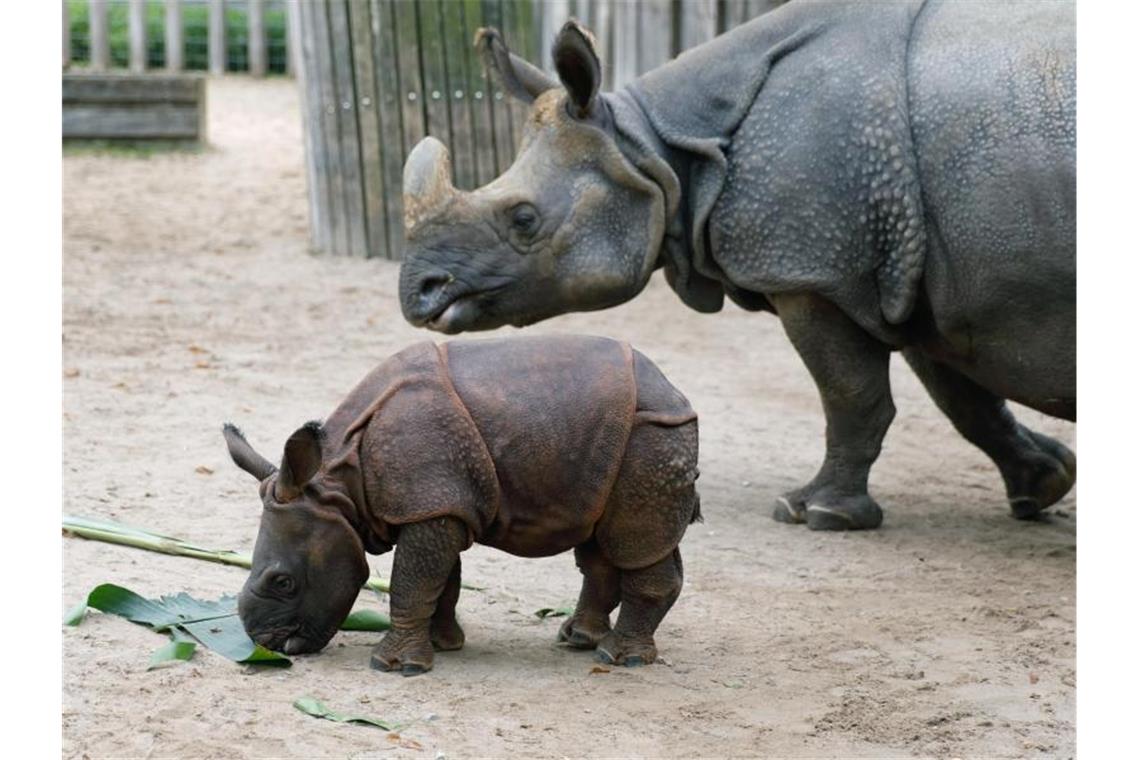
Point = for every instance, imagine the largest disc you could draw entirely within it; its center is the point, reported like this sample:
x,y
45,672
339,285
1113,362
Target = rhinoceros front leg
x,y
427,557
851,371
1037,470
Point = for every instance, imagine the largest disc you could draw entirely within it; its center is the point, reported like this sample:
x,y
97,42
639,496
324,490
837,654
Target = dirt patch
x,y
190,298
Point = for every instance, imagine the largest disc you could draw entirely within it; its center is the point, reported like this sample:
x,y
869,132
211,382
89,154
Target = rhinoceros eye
x,y
524,218
282,583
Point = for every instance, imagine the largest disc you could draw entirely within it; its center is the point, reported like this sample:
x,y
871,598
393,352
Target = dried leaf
x,y
204,470
598,669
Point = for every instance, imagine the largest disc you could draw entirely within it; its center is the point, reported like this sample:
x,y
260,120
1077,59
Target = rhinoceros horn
x,y
427,181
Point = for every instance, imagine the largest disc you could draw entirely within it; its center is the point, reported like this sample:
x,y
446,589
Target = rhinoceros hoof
x,y
788,510
402,654
582,632
615,649
1041,479
847,513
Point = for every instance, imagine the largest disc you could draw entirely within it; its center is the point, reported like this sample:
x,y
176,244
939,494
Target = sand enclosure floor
x,y
191,298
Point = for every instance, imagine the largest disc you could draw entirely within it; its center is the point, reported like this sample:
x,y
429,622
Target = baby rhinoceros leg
x,y
601,592
426,563
646,595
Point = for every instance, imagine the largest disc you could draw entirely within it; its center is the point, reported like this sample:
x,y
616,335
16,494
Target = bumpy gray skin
x,y
883,176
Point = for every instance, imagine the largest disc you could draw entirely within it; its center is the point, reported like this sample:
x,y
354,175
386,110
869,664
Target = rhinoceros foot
x,y
402,651
1040,477
822,509
447,635
583,631
630,651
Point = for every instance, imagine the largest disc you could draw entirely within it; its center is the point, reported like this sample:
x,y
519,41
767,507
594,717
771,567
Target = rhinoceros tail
x,y
697,516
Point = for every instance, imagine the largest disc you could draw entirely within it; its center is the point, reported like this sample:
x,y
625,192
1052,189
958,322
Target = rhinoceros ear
x,y
301,462
243,454
578,66
519,78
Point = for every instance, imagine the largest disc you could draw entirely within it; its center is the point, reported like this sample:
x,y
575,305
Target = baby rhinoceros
x,y
530,445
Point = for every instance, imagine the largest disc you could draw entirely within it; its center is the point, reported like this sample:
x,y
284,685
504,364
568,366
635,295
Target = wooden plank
x,y
480,104
698,23
100,47
554,15
255,16
518,30
66,35
760,7
292,38
217,37
136,33
733,13
124,121
411,85
123,88
391,117
434,72
316,158
601,14
654,34
458,94
330,129
352,183
368,121
624,42
502,128
175,53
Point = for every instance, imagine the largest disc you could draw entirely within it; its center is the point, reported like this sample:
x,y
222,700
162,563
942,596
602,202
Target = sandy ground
x,y
191,298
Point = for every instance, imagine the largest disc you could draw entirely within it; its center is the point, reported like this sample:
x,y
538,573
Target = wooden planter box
x,y
134,107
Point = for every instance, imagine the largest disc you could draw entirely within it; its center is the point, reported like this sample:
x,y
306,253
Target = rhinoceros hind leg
x,y
446,633
1038,471
851,371
646,595
601,592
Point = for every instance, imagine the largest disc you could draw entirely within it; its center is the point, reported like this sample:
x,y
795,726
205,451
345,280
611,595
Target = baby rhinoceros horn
x,y
427,182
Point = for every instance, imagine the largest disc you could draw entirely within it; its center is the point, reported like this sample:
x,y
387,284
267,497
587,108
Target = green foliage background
x,y
195,20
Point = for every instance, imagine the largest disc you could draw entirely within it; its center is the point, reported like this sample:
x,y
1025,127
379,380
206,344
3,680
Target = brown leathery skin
x,y
531,445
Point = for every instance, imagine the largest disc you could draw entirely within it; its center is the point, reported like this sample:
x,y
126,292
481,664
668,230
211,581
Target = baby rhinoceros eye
x,y
282,583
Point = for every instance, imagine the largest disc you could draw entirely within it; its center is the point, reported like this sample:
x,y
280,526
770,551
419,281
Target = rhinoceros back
x,y
555,414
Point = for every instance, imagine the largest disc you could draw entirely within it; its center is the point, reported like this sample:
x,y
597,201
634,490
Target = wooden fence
x,y
150,21
378,75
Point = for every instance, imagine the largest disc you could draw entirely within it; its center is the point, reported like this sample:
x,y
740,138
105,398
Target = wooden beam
x,y
174,52
136,32
100,47
217,37
255,15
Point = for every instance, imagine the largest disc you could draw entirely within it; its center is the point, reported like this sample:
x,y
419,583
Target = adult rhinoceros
x,y
881,175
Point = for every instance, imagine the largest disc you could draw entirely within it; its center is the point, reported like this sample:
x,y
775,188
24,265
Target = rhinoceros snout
x,y
424,295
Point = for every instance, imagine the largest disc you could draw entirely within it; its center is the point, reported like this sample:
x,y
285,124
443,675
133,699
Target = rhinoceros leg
x,y
446,633
601,592
1037,470
427,554
646,595
851,371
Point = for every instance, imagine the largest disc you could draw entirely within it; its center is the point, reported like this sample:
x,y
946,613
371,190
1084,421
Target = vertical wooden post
x,y
100,48
698,23
217,37
174,52
554,15
136,31
292,39
256,18
66,36
625,42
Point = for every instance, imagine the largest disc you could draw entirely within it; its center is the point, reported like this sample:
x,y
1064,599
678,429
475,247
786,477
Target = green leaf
x,y
227,637
366,620
76,614
175,649
549,612
317,709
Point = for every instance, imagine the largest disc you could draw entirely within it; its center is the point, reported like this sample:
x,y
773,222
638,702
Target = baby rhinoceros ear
x,y
301,462
243,454
578,67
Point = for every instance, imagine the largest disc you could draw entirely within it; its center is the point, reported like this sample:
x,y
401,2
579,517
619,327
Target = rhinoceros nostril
x,y
432,286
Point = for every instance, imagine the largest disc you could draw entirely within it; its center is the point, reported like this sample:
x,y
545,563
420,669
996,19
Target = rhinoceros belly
x,y
555,414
